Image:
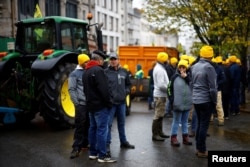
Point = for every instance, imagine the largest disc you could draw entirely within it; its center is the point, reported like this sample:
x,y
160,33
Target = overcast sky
x,y
137,3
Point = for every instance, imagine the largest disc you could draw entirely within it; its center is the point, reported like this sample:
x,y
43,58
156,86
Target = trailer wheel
x,y
128,104
58,110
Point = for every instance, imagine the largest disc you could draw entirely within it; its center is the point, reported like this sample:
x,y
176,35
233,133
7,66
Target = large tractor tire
x,y
58,110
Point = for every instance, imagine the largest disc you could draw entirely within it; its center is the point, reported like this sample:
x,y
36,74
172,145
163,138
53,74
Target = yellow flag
x,y
38,12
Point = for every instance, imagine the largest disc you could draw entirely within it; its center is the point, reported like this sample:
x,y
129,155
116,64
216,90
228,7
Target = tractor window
x,y
38,38
74,37
66,37
80,39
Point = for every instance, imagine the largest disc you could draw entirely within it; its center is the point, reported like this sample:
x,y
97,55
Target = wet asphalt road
x,y
39,146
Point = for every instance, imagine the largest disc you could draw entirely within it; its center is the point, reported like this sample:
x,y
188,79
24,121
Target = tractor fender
x,y
41,66
8,61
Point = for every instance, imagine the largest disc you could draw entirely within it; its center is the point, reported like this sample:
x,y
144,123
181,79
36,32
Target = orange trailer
x,y
143,55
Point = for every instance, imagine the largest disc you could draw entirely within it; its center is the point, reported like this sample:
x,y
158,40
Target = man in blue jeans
x,y
98,101
204,88
119,86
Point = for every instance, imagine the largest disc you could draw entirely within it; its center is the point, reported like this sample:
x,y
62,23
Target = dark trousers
x,y
225,103
203,112
235,101
81,127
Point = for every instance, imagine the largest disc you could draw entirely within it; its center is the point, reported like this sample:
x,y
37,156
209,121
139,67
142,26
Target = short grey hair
x,y
96,57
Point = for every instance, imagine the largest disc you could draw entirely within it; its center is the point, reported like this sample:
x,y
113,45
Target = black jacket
x,y
119,83
96,87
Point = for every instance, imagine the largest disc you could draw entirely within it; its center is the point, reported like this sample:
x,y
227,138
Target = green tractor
x,y
34,75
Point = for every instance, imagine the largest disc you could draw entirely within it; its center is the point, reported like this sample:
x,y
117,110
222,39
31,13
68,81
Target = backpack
x,y
170,89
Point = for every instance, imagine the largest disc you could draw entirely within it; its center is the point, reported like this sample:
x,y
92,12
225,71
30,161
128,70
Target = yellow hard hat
x,y
173,60
82,58
232,59
183,63
126,67
218,59
238,61
162,57
206,51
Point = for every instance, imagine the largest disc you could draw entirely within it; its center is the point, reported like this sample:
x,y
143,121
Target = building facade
x,y
122,25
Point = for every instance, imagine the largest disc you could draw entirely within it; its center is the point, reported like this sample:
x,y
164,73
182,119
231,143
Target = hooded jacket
x,y
204,85
96,87
161,80
119,83
76,86
182,93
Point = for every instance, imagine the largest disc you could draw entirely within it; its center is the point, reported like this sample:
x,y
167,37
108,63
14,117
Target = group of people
x,y
207,86
98,95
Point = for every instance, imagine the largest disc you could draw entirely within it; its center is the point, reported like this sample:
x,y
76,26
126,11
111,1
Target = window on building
x,y
116,6
111,5
71,9
111,44
26,8
104,39
84,15
104,3
122,32
116,25
117,42
105,21
98,17
52,8
111,23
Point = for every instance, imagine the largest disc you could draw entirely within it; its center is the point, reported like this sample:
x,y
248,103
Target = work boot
x,y
174,141
161,134
150,107
127,145
75,153
186,140
192,134
155,131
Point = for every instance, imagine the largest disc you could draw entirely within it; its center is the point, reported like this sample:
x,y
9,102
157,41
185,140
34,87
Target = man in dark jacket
x,y
119,86
235,77
98,100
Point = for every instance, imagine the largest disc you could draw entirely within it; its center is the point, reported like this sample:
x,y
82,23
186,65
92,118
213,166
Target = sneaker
x,y
127,145
74,154
93,157
226,117
233,114
105,159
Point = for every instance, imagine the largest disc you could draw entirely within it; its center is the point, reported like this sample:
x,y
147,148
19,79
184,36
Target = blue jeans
x,y
120,111
203,112
98,131
168,107
180,117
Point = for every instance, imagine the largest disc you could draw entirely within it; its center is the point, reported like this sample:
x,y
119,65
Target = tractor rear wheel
x,y
57,109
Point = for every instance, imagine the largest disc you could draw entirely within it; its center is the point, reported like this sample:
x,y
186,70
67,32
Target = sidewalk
x,y
246,107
